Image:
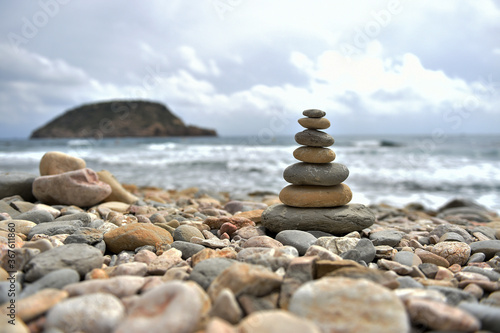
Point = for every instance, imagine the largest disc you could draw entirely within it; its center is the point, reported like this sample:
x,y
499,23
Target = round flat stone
x,y
314,138
314,113
314,154
316,196
338,304
314,123
335,221
488,247
326,174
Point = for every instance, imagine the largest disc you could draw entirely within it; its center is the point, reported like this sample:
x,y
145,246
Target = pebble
x,y
97,313
119,286
339,220
188,249
314,123
453,252
134,235
217,325
165,261
23,206
314,154
80,257
272,258
54,280
227,252
330,302
441,229
185,232
56,228
118,192
164,308
314,138
36,216
487,232
226,307
322,253
408,282
386,237
207,270
80,216
32,306
474,290
216,222
430,270
249,232
489,316
20,226
453,295
7,211
55,162
337,245
488,272
476,257
439,316
214,243
316,196
262,241
252,215
242,278
407,258
431,258
488,247
276,321
451,237
130,269
80,188
235,206
16,183
300,240
89,236
466,213
314,113
363,251
324,174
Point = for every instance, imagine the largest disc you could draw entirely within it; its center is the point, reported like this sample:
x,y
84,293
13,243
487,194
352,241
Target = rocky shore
x,y
81,252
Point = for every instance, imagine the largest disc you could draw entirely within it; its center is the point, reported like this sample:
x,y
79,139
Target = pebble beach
x,y
82,252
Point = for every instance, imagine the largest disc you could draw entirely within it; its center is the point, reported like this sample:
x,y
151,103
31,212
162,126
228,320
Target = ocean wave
x,y
161,146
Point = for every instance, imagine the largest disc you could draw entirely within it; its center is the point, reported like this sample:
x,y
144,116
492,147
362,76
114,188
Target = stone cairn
x,y
317,198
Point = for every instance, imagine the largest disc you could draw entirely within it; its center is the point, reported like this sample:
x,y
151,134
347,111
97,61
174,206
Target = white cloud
x,y
384,84
254,62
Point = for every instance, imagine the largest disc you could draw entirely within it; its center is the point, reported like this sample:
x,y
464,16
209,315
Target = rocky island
x,y
122,118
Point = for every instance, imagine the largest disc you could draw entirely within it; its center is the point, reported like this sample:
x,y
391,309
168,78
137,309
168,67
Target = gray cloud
x,y
382,67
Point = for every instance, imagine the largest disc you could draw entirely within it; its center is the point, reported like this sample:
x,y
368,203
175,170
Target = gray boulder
x,y
336,220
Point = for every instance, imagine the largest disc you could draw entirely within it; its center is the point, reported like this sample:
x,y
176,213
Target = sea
x,y
395,170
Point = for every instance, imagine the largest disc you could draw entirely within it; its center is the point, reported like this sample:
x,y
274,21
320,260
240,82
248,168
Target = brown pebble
x,y
440,316
444,274
474,290
431,258
314,123
262,241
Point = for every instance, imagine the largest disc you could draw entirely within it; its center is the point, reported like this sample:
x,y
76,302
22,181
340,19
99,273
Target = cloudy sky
x,y
243,67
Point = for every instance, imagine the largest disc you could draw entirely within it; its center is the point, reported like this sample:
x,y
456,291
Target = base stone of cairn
x,y
317,198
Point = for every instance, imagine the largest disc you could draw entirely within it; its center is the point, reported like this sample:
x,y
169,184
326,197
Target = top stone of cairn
x,y
314,113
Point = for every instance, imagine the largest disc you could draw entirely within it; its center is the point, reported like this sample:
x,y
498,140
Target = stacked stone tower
x,y
316,181
317,198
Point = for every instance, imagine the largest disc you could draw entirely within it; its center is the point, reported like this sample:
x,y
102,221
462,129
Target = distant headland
x,y
120,118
